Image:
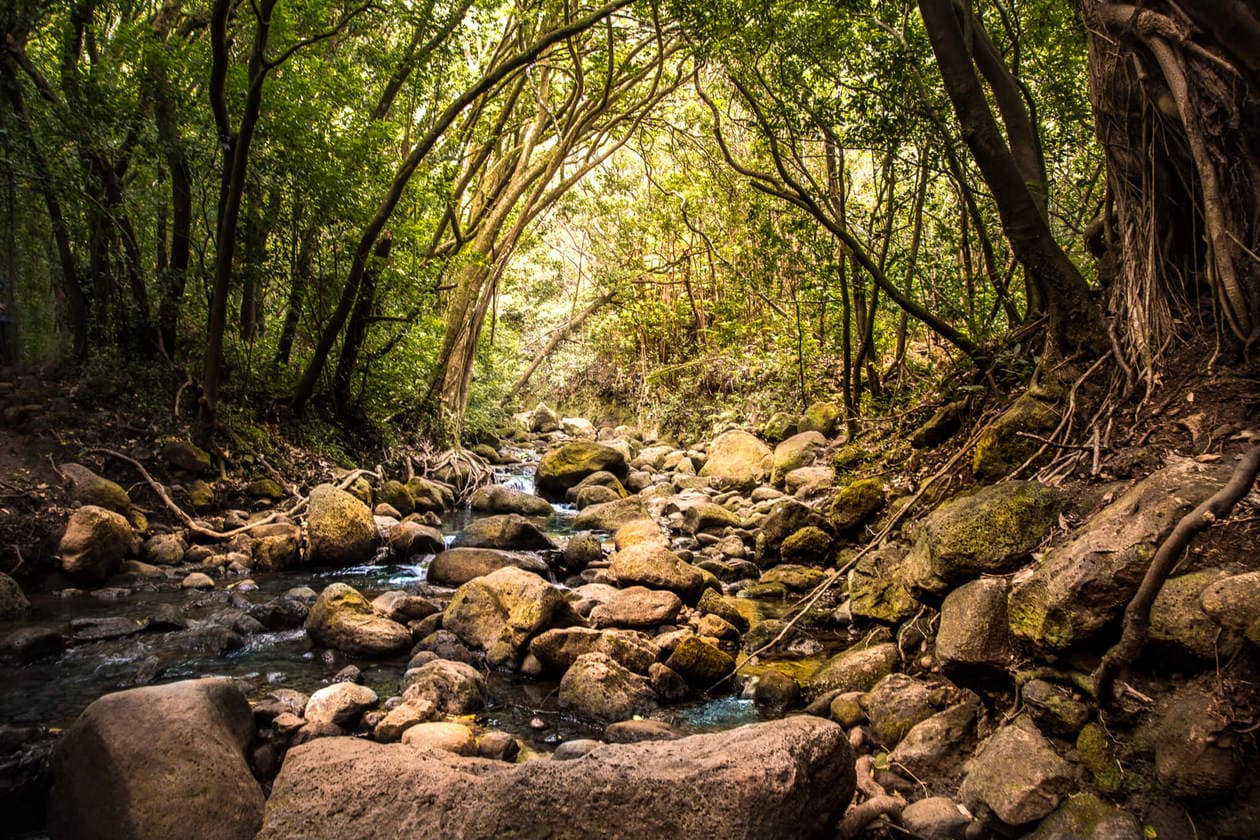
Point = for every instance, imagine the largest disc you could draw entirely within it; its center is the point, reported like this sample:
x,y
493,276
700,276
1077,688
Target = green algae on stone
x,y
1098,757
857,504
1001,448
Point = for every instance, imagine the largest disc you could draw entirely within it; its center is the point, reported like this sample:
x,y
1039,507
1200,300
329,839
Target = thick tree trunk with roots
x,y
1176,95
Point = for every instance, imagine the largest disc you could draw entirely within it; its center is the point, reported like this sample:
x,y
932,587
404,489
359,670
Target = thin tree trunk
x,y
557,338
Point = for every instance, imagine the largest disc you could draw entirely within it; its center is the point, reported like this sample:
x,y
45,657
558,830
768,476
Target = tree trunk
x,y
357,327
557,338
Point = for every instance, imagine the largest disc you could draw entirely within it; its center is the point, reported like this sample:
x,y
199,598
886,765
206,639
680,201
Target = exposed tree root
x,y
878,803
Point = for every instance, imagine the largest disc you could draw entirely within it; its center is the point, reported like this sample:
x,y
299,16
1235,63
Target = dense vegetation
x,y
417,212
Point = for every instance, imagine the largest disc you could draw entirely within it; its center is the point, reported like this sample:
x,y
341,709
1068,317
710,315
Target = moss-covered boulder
x,y
429,496
991,531
1234,603
1017,775
94,544
12,599
781,426
508,531
856,504
1081,586
724,606
1086,817
88,488
394,493
880,587
702,516
186,456
1179,622
609,516
856,669
897,703
500,612
340,528
342,619
794,578
810,546
940,427
737,459
597,687
1002,448
602,479
785,518
973,629
566,466
557,649
276,546
1193,758
457,566
822,417
699,663
264,489
200,494
656,567
543,420
799,450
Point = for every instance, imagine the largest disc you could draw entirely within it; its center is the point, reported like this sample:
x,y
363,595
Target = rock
x,y
974,629
935,818
429,496
266,489
505,531
638,607
603,479
441,735
164,549
991,531
340,528
100,628
856,669
856,504
88,488
452,688
556,650
738,460
895,705
582,550
706,516
94,544
498,746
187,456
13,600
777,691
498,498
1180,624
794,578
395,494
401,607
577,427
201,494
941,426
936,747
457,566
809,481
800,450
501,612
577,748
656,567
821,417
1001,449
197,580
29,644
542,420
402,717
1017,775
723,606
1191,758
788,778
781,426
597,687
342,703
1086,817
638,731
410,538
609,516
1080,587
786,517
276,547
1056,709
699,663
158,762
879,587
639,531
1234,603
566,465
446,645
343,619
1097,754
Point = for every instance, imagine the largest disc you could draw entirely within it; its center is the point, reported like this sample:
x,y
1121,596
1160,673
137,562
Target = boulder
x,y
446,736
429,496
597,687
611,515
165,549
941,426
410,539
498,498
451,688
341,703
800,450
935,818
789,778
879,586
738,459
399,606
342,619
856,669
88,488
1180,624
974,629
566,465
505,531
638,607
1192,759
276,547
402,717
158,762
653,456
991,531
603,479
1001,449
706,516
556,650
786,517
577,427
781,426
501,612
582,550
457,566
1080,587
699,663
794,578
1017,775
12,599
856,504
1056,709
394,493
94,544
186,456
1086,817
895,705
938,745
1234,604
340,528
542,420
655,567
821,417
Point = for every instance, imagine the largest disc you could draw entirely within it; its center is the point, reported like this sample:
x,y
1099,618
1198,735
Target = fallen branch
x,y
1137,615
878,803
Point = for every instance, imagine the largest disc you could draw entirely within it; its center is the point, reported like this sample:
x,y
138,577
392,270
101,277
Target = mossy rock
x,y
342,619
809,546
186,456
941,426
566,466
1001,448
781,426
795,578
715,603
88,488
1098,757
798,451
850,457
856,504
361,490
394,493
264,488
1179,622
821,417
699,663
878,590
201,494
429,496
856,669
340,527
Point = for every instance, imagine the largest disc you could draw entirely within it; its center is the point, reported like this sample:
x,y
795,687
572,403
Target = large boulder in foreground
x,y
565,466
342,619
94,544
1080,587
789,778
738,459
501,612
158,762
340,528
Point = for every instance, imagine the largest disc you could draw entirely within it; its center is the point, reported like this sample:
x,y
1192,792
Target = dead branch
x,y
1137,615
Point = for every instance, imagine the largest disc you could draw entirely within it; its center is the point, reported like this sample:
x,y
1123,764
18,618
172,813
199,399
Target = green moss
x,y
857,504
1001,448
1098,758
810,545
